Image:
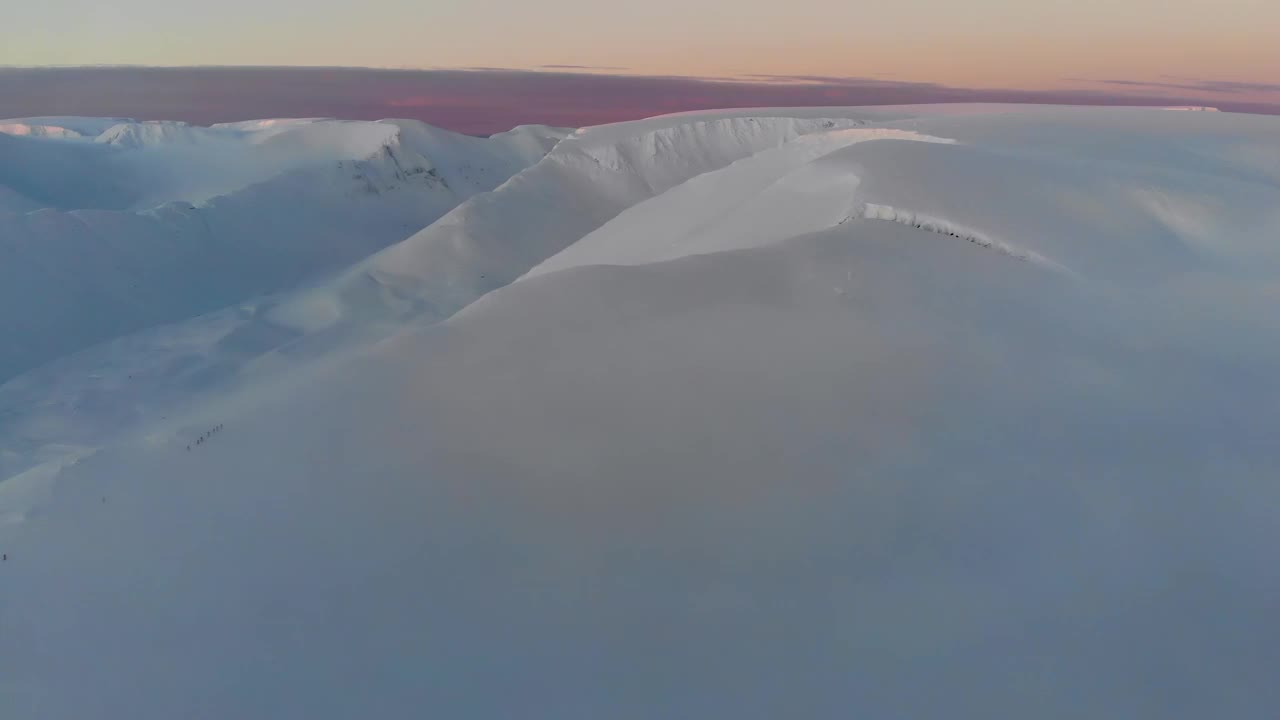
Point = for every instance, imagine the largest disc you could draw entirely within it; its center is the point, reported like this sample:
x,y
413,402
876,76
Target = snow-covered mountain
x,y
114,226
930,412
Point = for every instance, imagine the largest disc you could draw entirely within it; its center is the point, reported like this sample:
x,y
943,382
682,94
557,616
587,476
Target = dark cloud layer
x,y
488,100
1200,86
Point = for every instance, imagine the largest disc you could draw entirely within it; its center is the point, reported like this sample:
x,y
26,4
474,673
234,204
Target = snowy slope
x,y
581,184
897,413
969,177
155,222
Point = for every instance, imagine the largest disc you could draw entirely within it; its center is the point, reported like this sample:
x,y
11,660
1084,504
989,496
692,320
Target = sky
x,y
1211,51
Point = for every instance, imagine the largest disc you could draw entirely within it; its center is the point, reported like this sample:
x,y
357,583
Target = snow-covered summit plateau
x,y
899,412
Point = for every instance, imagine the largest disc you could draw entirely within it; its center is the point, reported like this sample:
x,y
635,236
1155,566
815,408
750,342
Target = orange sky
x,y
975,43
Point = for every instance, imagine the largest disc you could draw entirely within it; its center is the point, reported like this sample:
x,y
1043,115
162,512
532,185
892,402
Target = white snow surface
x,y
926,412
145,223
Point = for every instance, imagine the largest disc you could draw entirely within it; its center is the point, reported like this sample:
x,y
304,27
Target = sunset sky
x,y
1210,50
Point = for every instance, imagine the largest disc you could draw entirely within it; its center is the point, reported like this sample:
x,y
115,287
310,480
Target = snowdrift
x,y
906,412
